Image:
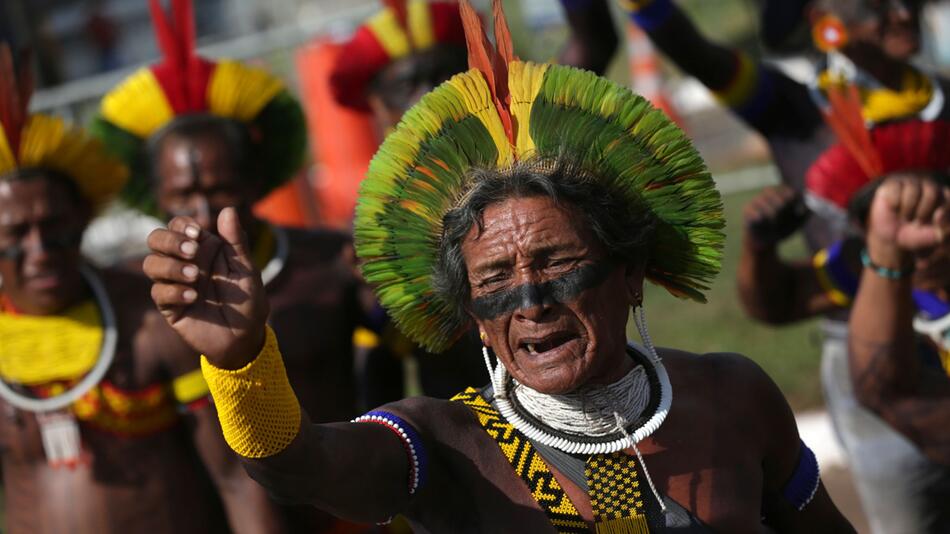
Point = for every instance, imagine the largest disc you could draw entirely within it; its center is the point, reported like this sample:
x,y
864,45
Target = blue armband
x,y
801,488
834,275
575,5
411,440
930,305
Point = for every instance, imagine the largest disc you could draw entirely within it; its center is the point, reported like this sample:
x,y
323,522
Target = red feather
x,y
182,73
486,58
16,88
165,34
912,145
505,54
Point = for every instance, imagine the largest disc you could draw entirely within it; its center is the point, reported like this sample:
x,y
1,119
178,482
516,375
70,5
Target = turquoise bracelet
x,y
884,272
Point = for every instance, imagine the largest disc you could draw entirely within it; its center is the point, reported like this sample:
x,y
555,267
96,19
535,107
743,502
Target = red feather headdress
x,y
864,155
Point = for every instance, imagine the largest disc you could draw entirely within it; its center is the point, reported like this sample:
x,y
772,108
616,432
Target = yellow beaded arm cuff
x,y
258,410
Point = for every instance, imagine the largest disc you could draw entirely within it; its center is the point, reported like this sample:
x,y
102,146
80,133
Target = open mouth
x,y
541,345
44,281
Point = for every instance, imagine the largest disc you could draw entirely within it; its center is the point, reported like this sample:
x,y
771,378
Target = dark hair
x,y
624,231
235,135
431,66
53,175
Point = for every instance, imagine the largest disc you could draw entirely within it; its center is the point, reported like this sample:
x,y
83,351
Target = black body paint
x,y
559,290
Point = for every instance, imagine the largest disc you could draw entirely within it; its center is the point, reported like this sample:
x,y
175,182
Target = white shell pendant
x,y
61,442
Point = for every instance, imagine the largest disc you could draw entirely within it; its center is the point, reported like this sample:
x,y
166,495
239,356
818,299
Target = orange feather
x,y
485,58
845,118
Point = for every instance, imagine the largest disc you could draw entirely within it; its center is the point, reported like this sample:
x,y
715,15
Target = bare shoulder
x,y
735,388
717,371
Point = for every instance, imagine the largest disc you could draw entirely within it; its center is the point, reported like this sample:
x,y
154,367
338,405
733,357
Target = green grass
x,y
790,355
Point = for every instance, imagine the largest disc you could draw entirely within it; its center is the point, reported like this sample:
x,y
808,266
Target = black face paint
x,y
55,242
557,291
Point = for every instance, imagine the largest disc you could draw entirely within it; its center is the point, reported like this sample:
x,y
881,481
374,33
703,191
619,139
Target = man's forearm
x,y
886,370
353,470
883,355
248,508
676,36
593,40
765,284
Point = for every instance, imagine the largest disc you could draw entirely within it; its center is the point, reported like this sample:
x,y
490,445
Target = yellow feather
x,y
390,34
478,102
420,24
138,105
7,161
46,142
239,92
524,82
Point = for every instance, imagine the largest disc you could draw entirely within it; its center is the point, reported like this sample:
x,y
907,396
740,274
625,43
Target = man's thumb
x,y
230,230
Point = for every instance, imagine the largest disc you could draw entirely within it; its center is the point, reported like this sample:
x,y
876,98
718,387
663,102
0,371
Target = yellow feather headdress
x,y
40,141
184,83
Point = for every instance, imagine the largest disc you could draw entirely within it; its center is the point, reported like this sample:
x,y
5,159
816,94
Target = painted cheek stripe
x,y
557,291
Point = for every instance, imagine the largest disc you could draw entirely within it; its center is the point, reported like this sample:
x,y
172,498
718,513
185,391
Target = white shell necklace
x,y
276,264
595,412
589,411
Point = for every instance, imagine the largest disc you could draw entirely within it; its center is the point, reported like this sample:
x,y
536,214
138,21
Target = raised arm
x,y
208,290
771,289
593,39
676,36
909,216
763,97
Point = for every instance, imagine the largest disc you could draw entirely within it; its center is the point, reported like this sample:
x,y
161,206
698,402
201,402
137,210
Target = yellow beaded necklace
x,y
36,350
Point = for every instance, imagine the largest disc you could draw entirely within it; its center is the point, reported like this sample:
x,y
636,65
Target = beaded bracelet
x,y
884,272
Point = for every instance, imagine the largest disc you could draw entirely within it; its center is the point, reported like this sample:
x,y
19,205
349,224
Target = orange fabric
x,y
342,140
292,205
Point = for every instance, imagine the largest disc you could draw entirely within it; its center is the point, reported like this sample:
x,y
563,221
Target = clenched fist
x,y
208,289
773,215
910,215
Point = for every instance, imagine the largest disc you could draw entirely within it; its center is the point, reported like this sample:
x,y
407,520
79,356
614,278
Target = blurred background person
x,y
203,135
867,45
394,58
104,34
106,423
906,262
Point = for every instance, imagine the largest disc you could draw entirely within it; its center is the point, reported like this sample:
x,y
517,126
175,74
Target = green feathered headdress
x,y
504,110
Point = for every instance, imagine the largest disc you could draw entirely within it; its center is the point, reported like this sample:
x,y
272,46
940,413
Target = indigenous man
x,y
907,225
202,135
530,201
394,58
919,496
867,43
106,422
